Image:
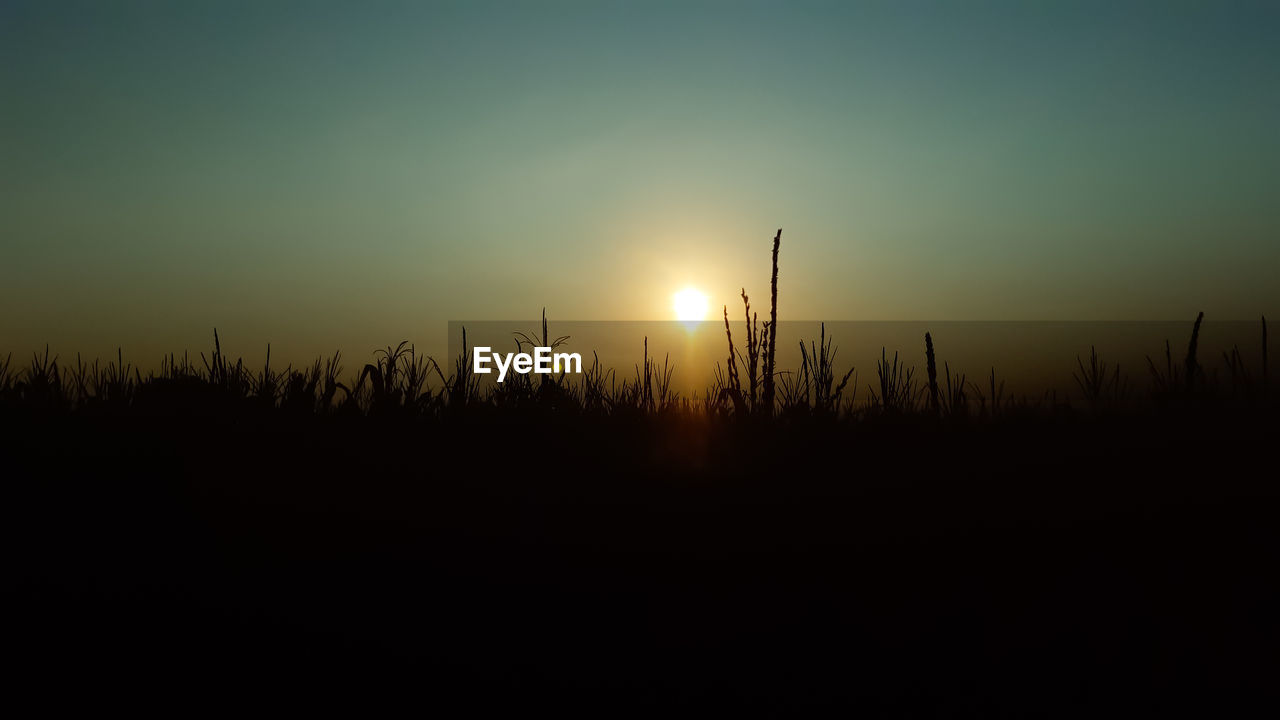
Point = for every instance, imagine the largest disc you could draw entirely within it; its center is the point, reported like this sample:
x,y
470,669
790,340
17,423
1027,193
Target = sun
x,y
690,305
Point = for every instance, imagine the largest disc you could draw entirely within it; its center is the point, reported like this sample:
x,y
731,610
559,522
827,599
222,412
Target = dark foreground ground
x,y
1059,566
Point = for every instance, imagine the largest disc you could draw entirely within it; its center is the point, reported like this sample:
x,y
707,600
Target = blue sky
x,y
346,174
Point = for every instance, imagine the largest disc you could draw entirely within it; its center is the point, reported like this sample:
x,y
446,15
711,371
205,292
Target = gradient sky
x,y
350,174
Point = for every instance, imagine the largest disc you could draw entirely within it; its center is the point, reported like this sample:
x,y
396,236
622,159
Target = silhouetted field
x,y
206,533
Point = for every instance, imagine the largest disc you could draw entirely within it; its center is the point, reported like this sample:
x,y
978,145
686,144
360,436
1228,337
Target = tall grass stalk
x,y
770,355
1192,364
933,372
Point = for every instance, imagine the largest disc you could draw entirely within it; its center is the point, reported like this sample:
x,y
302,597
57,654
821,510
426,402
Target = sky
x,y
346,175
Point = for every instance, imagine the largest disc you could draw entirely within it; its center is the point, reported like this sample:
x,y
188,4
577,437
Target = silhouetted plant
x,y
6,374
42,387
771,332
1174,386
818,373
730,386
1100,383
1192,364
955,402
897,385
462,388
598,387
651,391
934,404
993,402
1167,381
269,385
397,382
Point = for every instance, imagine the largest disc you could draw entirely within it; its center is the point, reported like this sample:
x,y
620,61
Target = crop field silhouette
x,y
915,542
401,383
447,358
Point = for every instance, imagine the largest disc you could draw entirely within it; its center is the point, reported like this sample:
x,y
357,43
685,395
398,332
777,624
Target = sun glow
x,y
690,305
